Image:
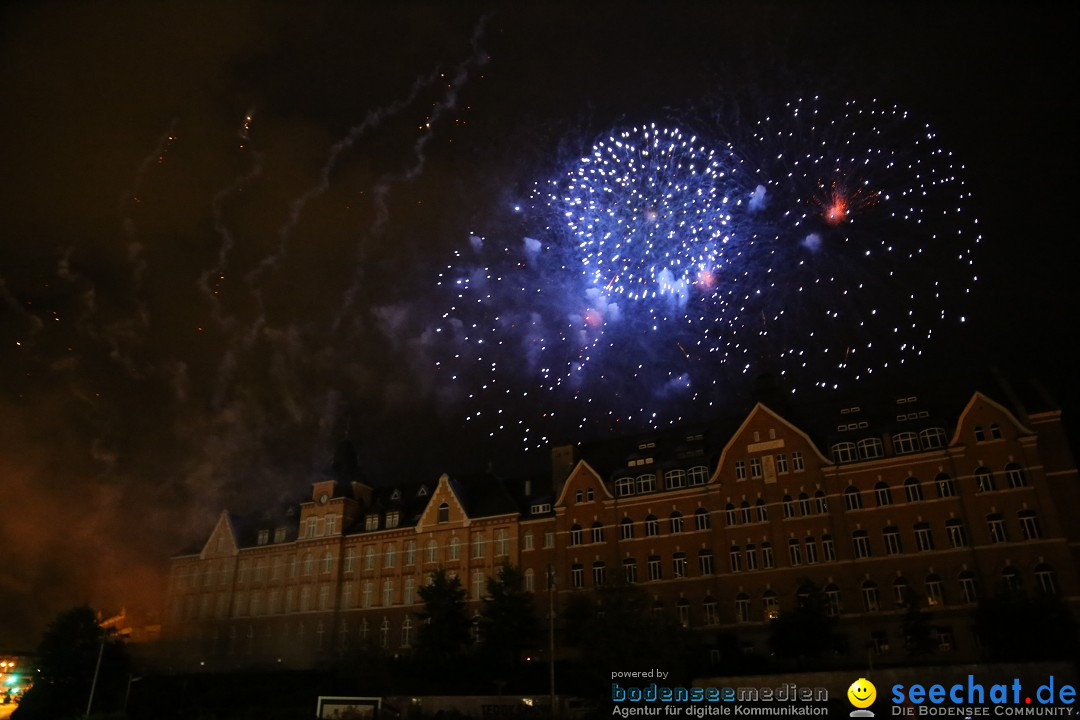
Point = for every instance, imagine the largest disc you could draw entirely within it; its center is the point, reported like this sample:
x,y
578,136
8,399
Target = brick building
x,y
721,525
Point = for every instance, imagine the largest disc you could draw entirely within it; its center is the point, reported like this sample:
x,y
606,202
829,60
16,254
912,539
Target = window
x,y
598,532
996,525
675,479
860,542
599,572
676,522
789,507
794,552
984,480
740,469
770,605
712,614
406,631
882,494
762,511
1016,475
701,518
821,502
367,593
945,639
844,452
781,463
933,438
678,564
871,448
913,489
453,549
683,609
312,525
832,600
705,562
549,539
811,551
392,519
652,526
309,566
626,529
968,591
444,513
924,538
327,562
804,504
852,498
577,575
388,593
431,552
646,483
901,591
1044,576
589,494
797,462
935,591
369,558
751,557
736,559
870,596
699,475
828,548
656,572
905,442
1010,578
384,633
264,536
624,486
995,431
409,591
410,553
755,468
1029,525
891,536
979,434
279,535
331,524
767,560
747,515
579,496
954,530
742,608
945,486
527,541
630,569
575,534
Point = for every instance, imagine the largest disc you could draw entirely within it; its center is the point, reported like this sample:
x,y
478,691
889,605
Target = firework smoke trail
x,y
382,188
217,272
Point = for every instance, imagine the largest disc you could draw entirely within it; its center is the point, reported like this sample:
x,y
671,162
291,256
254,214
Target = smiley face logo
x,y
862,693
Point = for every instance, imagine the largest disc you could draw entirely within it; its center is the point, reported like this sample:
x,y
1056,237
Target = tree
x,y
917,628
806,632
445,628
67,658
508,620
1015,627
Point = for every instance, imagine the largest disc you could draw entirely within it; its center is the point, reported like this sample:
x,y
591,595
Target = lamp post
x,y
97,669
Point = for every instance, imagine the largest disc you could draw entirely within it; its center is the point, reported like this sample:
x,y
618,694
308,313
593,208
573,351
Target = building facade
x,y
722,527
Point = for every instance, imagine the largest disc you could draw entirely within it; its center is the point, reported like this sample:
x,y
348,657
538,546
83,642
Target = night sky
x,y
224,228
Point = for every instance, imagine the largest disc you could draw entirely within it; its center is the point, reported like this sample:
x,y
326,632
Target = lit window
x,y
935,591
770,605
392,519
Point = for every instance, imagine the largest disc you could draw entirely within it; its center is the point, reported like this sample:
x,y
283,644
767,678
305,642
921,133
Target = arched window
x,y
742,608
675,479
762,511
598,532
882,494
844,452
626,529
789,507
901,592
652,526
979,434
852,498
701,518
444,513
995,431
933,438
945,485
984,479
969,591
698,475
832,600
870,596
676,522
730,516
646,483
1047,579
905,442
1010,578
804,503
913,489
822,503
747,515
624,486
1016,475
935,591
770,605
575,534
871,448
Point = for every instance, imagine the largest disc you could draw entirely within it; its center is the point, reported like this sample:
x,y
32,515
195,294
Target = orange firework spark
x,y
837,203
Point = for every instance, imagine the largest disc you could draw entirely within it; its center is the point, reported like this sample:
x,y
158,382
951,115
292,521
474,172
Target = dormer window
x,y
279,535
264,537
392,519
540,508
422,492
371,522
396,495
444,513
